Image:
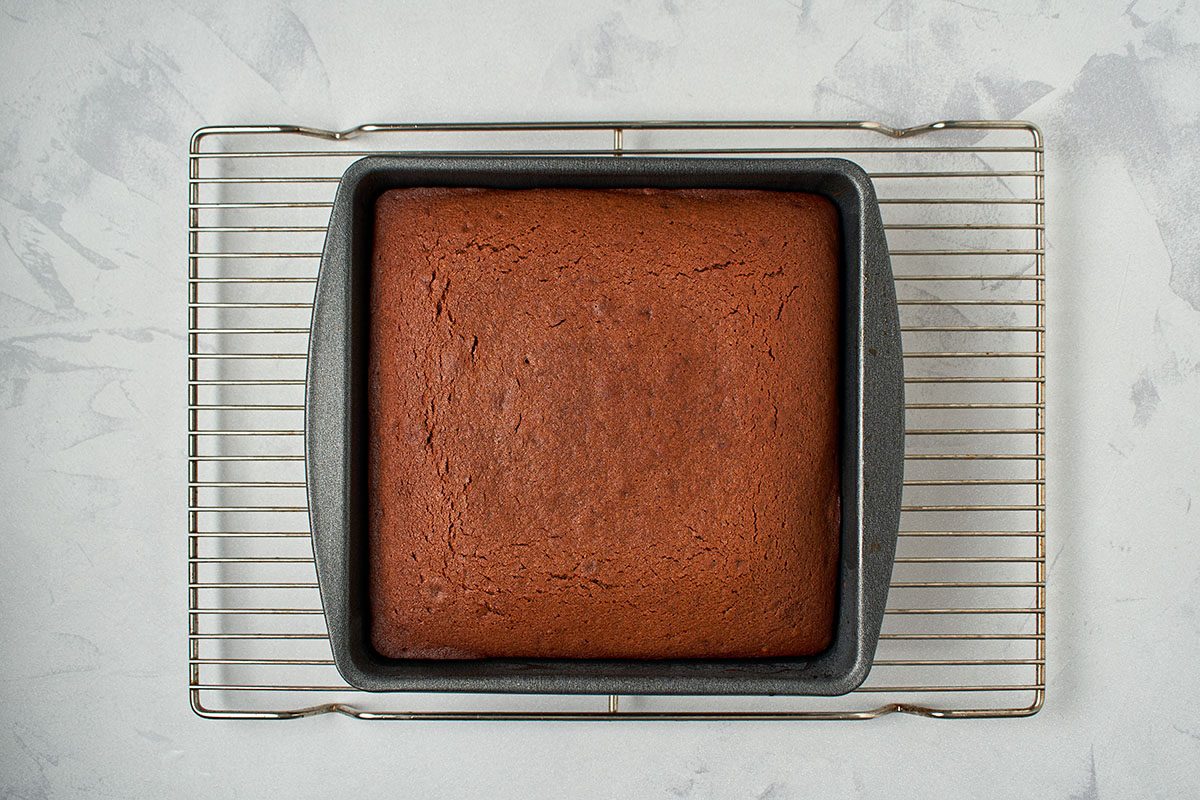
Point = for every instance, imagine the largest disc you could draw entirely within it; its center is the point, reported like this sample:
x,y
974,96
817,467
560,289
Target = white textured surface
x,y
97,101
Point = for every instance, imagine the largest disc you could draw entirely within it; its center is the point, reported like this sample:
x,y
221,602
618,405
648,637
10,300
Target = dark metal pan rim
x,y
872,430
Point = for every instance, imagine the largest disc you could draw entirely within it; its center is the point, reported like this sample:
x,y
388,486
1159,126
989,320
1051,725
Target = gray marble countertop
x,y
99,100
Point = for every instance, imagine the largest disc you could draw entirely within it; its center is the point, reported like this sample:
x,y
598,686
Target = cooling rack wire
x,y
963,204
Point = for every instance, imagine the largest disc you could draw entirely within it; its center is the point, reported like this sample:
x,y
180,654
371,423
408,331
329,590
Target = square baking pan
x,y
871,438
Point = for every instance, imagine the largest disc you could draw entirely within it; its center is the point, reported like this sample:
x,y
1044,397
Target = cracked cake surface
x,y
603,423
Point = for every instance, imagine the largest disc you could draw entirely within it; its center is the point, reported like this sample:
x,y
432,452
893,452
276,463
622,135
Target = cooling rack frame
x,y
246,523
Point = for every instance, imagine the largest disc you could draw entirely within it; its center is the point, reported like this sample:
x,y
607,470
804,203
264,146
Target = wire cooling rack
x,y
963,204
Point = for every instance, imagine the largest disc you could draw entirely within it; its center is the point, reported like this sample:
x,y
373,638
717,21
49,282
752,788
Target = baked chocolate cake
x,y
603,423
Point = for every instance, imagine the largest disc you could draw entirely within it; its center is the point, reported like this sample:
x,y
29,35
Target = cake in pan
x,y
603,424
